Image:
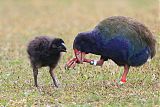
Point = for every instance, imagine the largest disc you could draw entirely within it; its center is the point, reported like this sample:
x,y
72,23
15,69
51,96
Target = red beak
x,y
79,55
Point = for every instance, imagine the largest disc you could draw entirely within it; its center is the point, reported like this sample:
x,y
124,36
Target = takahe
x,y
45,51
121,39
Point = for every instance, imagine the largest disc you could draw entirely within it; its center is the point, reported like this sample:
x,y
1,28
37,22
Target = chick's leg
x,y
53,77
35,73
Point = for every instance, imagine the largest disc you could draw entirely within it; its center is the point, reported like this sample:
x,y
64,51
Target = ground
x,y
86,86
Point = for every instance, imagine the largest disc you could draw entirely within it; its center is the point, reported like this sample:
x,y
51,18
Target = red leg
x,y
100,62
80,58
124,76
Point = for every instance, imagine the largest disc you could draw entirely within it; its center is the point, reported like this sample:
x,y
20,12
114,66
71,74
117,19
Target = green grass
x,y
86,86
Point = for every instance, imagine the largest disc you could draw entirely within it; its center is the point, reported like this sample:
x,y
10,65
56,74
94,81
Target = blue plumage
x,y
121,39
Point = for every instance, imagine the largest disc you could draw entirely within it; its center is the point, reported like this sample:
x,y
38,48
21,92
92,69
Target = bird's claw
x,y
71,63
118,83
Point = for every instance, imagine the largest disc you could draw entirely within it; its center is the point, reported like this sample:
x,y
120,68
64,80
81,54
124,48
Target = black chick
x,y
45,51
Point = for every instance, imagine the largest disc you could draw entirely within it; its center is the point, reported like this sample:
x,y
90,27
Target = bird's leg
x,y
53,76
94,62
124,76
80,58
35,73
71,63
99,62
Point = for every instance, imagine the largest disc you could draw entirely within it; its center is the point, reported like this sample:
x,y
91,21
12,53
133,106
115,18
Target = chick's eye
x,y
54,46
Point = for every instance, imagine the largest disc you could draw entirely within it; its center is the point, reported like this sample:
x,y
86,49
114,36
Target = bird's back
x,y
127,31
39,52
38,46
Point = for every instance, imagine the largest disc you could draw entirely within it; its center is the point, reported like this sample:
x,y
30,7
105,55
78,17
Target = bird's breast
x,y
117,49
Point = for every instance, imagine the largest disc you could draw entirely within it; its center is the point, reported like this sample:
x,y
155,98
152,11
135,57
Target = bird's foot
x,y
57,83
118,83
71,63
36,85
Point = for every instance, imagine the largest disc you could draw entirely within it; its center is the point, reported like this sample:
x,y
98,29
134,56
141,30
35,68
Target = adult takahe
x,y
121,39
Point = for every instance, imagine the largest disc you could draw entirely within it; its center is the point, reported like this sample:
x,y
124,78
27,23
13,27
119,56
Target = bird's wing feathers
x,y
137,33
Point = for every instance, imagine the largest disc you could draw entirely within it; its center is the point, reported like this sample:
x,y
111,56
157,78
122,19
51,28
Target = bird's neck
x,y
94,42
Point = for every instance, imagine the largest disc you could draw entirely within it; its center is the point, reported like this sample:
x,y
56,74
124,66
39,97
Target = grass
x,y
21,21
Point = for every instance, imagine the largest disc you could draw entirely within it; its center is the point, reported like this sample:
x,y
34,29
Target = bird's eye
x,y
54,46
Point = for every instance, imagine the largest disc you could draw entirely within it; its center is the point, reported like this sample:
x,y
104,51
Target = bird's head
x,y
83,44
58,45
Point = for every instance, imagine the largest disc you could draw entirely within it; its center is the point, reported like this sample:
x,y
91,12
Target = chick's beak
x,y
63,48
79,55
